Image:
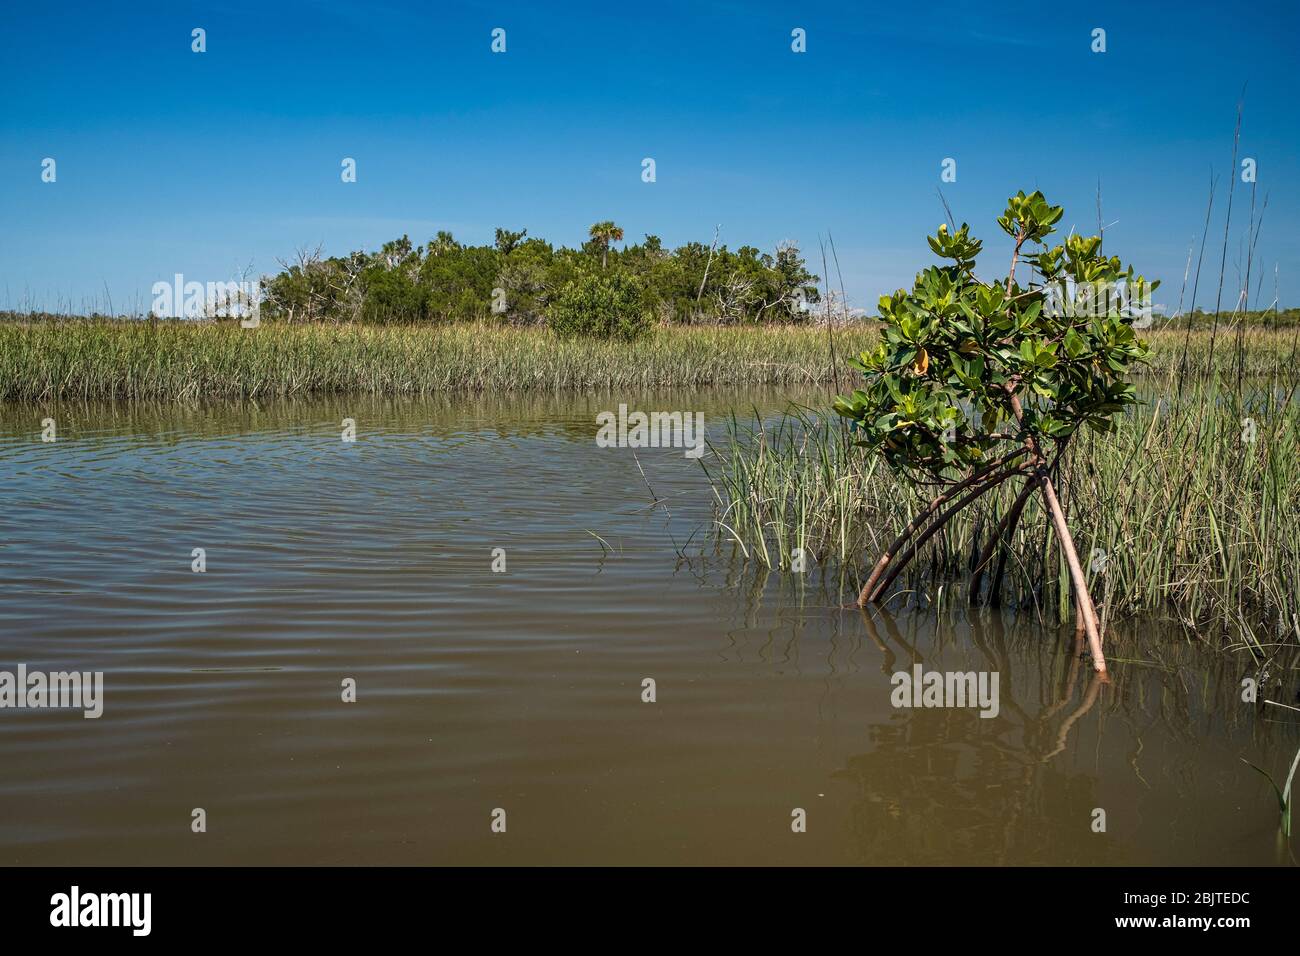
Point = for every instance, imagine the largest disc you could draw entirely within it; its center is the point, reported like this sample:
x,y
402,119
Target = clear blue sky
x,y
171,161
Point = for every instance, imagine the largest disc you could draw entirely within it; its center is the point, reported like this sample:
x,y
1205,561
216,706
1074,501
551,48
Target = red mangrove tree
x,y
980,382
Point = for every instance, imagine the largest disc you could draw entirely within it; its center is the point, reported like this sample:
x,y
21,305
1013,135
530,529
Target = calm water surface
x,y
522,690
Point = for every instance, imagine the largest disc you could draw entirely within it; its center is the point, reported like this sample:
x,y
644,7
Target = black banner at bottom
x,y
331,905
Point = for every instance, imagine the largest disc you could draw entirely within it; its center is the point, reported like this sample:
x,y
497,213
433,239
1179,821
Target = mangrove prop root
x,y
1084,607
938,523
1004,531
864,596
1066,540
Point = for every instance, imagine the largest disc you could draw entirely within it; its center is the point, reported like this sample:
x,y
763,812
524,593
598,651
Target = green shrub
x,y
393,297
600,305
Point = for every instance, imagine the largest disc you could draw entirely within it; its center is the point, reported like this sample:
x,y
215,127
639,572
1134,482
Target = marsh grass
x,y
1180,513
93,359
105,359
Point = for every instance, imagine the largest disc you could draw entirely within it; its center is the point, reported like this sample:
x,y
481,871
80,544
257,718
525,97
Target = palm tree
x,y
604,233
442,243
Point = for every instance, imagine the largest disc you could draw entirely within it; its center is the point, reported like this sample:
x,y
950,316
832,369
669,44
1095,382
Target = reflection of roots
x,y
1071,680
1094,691
924,771
1095,683
1089,698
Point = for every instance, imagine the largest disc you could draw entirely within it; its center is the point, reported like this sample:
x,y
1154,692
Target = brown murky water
x,y
522,690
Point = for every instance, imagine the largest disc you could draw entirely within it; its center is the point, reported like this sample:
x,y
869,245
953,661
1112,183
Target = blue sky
x,y
171,161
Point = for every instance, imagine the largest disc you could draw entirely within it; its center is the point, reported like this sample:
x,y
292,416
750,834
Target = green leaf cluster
x,y
959,355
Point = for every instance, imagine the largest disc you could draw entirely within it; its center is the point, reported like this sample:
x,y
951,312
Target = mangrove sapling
x,y
978,383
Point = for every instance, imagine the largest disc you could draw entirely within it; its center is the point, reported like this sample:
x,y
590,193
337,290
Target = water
x,y
522,690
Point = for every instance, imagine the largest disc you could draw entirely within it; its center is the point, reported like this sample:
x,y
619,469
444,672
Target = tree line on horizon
x,y
526,280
